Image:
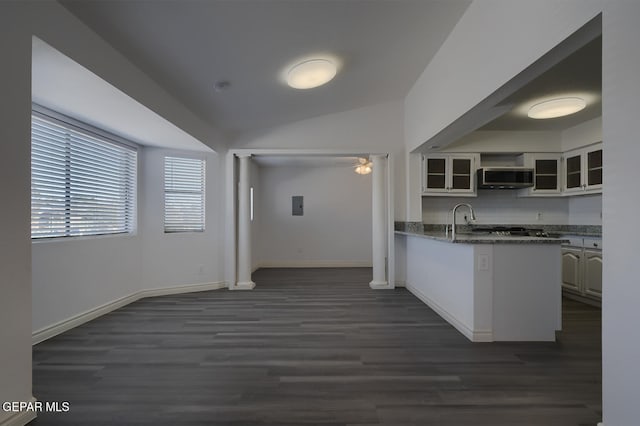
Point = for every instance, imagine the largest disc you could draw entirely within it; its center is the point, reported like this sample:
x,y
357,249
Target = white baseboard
x,y
400,283
473,335
189,288
79,319
21,418
314,264
249,285
380,285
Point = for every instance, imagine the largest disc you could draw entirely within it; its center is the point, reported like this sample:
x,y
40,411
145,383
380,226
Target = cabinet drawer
x,y
574,241
593,243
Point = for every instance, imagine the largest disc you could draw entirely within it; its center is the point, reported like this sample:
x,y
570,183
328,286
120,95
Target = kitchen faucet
x,y
472,217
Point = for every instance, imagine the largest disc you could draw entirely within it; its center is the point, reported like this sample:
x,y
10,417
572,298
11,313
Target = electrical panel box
x,y
297,205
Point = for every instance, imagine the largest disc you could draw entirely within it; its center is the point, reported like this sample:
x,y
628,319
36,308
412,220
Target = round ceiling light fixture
x,y
311,73
558,107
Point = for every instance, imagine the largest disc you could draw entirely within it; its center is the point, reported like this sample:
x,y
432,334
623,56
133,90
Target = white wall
x,y
491,43
474,62
73,276
581,135
499,207
507,141
376,128
176,259
505,207
335,229
621,203
15,180
585,210
430,262
56,26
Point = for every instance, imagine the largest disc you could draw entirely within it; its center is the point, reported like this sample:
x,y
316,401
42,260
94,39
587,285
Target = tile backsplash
x,y
505,207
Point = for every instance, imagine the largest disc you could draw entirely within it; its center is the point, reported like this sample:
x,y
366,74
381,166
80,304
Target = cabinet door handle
x,y
595,244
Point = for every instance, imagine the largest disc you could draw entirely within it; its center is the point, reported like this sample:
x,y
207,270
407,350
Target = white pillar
x,y
244,227
379,229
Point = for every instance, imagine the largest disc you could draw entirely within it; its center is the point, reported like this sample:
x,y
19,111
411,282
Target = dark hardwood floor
x,y
312,347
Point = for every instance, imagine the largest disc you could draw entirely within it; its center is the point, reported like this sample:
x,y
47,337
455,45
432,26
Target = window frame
x,y
183,227
85,133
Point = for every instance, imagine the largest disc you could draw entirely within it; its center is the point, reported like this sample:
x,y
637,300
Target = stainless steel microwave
x,y
504,177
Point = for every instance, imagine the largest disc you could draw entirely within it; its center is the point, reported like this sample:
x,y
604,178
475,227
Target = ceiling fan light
x,y
364,168
558,107
311,73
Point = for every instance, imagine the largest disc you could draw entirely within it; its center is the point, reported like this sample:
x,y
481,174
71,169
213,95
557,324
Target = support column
x,y
244,227
379,229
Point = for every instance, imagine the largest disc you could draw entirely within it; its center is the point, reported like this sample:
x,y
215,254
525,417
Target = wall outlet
x,y
483,262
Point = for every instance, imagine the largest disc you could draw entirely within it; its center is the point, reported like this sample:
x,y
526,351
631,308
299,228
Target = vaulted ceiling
x,y
188,46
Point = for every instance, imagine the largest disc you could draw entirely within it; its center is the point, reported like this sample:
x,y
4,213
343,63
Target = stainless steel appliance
x,y
504,177
510,231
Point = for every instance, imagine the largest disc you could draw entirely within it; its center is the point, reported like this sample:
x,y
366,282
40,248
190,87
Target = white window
x,y
183,194
82,183
251,202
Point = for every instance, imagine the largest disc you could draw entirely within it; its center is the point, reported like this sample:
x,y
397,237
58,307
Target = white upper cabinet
x,y
556,174
547,175
449,174
583,170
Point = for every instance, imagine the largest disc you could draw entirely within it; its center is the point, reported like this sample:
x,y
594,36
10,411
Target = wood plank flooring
x,y
312,347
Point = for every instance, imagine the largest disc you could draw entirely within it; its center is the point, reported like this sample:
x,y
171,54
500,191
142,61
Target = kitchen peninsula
x,y
489,287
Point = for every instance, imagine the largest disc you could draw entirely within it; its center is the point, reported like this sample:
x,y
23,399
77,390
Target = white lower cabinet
x,y
582,269
571,268
593,273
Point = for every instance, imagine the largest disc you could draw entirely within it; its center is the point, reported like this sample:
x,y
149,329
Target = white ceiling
x,y
61,84
579,74
186,46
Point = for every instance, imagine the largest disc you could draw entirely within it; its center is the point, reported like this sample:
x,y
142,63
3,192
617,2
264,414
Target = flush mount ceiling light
x,y
558,107
311,73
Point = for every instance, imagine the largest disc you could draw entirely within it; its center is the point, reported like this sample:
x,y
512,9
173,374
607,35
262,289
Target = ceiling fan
x,y
363,166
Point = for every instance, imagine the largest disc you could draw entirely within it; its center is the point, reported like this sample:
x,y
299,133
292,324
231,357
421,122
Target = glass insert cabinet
x,y
449,174
583,169
547,174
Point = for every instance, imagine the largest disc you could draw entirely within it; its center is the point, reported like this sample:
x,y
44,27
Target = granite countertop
x,y
554,231
484,239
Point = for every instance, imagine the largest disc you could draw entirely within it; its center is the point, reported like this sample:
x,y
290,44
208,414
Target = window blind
x,y
81,184
183,194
